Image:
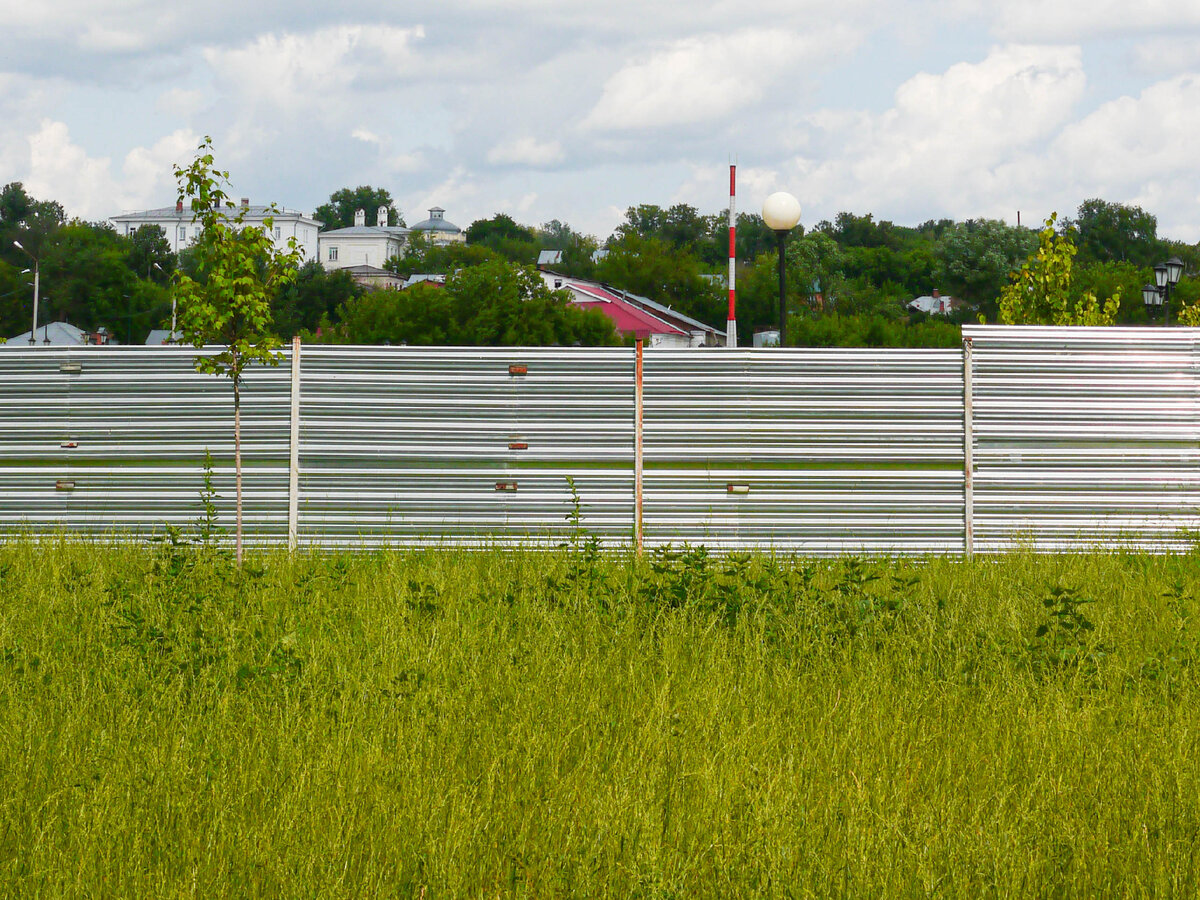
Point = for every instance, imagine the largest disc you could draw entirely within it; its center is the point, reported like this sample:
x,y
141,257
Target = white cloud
x,y
62,170
949,140
148,171
1148,146
99,37
526,151
1167,55
705,78
179,102
294,73
1071,20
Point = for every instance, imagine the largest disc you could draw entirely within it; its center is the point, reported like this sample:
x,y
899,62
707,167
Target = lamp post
x,y
37,269
1166,276
781,212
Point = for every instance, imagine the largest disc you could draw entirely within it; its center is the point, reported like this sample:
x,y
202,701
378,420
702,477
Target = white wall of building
x,y
340,250
181,228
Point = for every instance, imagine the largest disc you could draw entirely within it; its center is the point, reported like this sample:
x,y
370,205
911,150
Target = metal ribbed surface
x,y
1078,437
118,446
408,445
1085,437
837,450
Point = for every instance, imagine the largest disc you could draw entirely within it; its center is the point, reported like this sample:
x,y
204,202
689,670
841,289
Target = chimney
x,y
382,217
179,206
936,294
360,218
245,201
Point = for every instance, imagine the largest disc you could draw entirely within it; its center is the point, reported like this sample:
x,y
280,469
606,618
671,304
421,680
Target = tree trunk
x,y
237,464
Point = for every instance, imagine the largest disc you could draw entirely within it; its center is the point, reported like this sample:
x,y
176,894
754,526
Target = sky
x,y
909,110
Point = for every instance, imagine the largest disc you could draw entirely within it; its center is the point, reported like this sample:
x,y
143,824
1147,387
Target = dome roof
x,y
436,222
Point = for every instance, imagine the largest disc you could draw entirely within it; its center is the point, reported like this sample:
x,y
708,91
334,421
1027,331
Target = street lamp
x,y
1166,276
36,284
781,212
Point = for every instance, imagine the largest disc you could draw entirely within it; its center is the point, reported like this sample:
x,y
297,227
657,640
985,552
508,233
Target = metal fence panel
x,y
406,446
1085,437
1077,437
812,451
33,425
112,440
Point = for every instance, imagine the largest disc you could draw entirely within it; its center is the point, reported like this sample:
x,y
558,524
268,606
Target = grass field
x,y
455,724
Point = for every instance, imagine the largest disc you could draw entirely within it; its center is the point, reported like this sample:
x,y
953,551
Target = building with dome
x,y
438,230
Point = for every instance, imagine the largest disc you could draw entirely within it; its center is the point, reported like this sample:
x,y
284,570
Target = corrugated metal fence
x,y
1053,438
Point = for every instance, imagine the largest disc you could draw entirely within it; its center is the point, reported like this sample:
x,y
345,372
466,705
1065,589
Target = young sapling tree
x,y
226,299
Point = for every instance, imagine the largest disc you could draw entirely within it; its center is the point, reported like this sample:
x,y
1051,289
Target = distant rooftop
x,y
437,222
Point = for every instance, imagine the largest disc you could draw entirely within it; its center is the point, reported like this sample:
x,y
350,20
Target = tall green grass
x,y
458,724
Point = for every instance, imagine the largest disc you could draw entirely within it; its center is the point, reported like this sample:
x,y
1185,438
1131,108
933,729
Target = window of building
x,y
333,254
278,232
183,232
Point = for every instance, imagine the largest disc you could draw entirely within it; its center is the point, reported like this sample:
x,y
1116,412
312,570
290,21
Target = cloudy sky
x,y
908,109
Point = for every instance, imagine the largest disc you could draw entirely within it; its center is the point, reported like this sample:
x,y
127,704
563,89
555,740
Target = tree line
x,y
849,280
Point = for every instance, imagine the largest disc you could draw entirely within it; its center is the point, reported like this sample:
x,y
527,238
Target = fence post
x,y
637,447
968,454
294,452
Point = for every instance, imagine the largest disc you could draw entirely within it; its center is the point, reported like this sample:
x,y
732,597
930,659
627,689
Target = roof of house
x,y
627,317
436,222
159,336
371,231
934,305
549,257
424,279
667,312
55,333
169,213
367,271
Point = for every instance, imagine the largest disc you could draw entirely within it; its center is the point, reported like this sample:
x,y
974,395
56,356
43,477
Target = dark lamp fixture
x,y
1174,267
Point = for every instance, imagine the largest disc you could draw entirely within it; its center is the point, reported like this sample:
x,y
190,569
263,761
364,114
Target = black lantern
x,y
1166,276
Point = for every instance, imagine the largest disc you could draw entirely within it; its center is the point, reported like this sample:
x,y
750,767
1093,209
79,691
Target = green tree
x,y
422,256
577,248
312,298
814,264
16,300
496,303
343,204
1114,232
505,237
228,301
651,267
974,259
1041,291
150,254
501,304
87,280
753,237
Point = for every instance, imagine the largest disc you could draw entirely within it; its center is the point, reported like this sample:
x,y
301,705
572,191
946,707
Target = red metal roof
x,y
626,318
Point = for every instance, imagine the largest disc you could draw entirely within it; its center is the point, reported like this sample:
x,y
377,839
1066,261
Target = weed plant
x,y
532,724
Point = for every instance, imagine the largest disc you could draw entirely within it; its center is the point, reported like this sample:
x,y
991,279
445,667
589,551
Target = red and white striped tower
x,y
731,325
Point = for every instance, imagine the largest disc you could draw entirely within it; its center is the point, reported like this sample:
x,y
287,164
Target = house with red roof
x,y
655,324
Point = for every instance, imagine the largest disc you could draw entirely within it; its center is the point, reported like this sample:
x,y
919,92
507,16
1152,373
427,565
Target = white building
x,y
181,227
362,244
